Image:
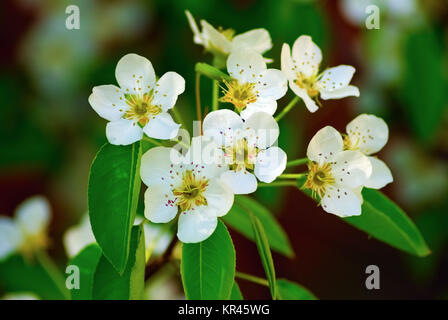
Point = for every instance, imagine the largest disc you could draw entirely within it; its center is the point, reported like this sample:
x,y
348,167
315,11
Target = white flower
x,y
369,134
187,185
20,296
140,105
336,176
78,237
26,232
302,71
254,87
222,42
247,146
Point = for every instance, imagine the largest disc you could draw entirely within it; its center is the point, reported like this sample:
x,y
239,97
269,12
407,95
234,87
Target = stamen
x,y
239,94
319,178
190,193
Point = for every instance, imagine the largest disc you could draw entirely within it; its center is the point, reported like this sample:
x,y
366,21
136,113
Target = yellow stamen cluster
x,y
141,109
33,243
309,84
241,155
319,177
349,144
190,193
239,94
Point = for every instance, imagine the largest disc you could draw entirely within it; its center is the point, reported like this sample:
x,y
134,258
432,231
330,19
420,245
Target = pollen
x,y
190,193
141,108
319,178
309,84
239,94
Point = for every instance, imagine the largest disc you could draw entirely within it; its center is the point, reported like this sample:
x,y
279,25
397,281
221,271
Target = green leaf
x,y
114,185
208,267
288,290
385,221
18,275
87,261
239,219
265,253
236,292
211,72
110,285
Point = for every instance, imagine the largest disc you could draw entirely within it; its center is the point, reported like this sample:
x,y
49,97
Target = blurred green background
x,y
49,134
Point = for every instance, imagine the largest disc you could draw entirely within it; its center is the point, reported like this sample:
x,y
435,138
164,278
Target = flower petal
x,y
215,38
206,157
78,236
219,197
268,106
222,125
169,86
108,101
272,84
123,132
368,133
33,215
10,237
380,176
351,168
196,225
303,94
306,56
162,126
286,63
160,204
325,144
347,91
135,74
261,130
245,65
197,36
240,182
335,79
270,164
156,164
256,39
341,201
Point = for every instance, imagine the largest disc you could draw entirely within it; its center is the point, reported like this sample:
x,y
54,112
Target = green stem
x,y
211,72
297,162
53,272
278,184
198,97
292,175
177,116
287,108
251,278
215,101
151,140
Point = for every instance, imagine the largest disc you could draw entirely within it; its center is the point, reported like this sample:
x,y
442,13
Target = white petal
x,y
215,38
219,197
340,93
159,204
245,65
261,130
286,63
306,55
162,126
33,215
206,157
325,144
156,164
196,225
107,101
256,39
123,132
10,237
135,74
221,125
368,133
351,168
303,94
197,36
169,86
335,79
271,83
341,201
380,176
268,106
240,182
270,164
77,237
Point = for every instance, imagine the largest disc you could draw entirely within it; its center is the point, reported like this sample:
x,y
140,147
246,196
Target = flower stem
x,y
287,108
297,162
251,278
198,97
292,175
177,116
151,140
53,272
215,102
291,183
